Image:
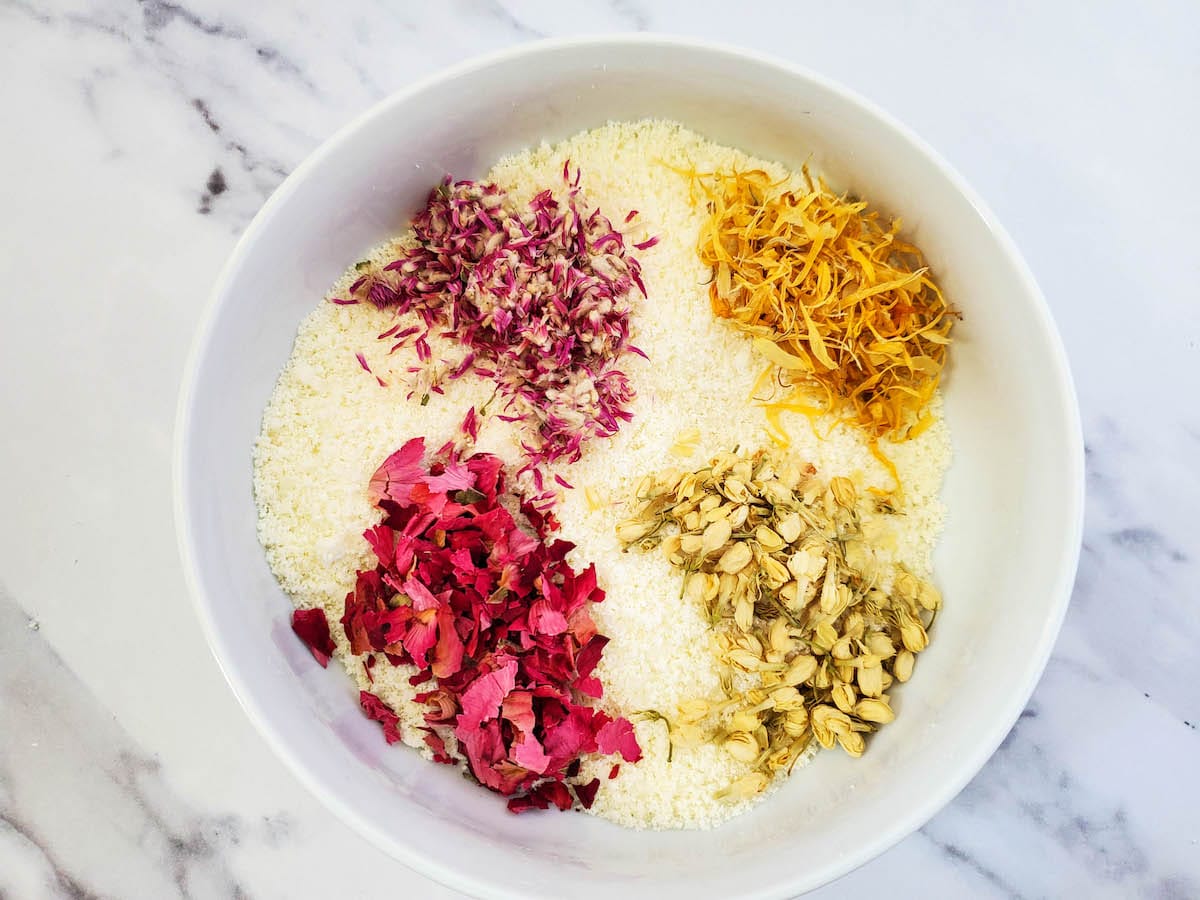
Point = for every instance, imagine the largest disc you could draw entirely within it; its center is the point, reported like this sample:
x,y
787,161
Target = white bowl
x,y
1006,562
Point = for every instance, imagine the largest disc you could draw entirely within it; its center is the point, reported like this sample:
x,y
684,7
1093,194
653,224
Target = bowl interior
x,y
1014,489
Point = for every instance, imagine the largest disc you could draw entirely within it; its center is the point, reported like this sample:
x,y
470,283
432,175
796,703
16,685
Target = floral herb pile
x,y
538,295
495,620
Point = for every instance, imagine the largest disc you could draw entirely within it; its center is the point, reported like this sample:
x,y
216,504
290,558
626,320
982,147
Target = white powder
x,y
329,425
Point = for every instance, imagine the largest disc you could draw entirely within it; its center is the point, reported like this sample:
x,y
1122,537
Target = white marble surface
x,y
140,138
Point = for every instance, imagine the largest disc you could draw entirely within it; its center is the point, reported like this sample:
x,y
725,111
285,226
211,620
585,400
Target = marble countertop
x,y
139,140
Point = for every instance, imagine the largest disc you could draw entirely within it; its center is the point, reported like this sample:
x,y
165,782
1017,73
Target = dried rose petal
x,y
481,701
586,793
540,296
543,619
541,797
557,793
379,711
529,754
448,654
517,708
494,616
312,628
435,743
617,736
527,802
585,664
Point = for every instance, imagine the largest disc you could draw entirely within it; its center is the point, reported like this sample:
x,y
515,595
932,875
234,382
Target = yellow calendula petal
x,y
841,307
925,364
781,357
817,344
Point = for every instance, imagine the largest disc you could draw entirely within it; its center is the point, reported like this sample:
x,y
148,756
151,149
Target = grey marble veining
x,y
83,811
140,140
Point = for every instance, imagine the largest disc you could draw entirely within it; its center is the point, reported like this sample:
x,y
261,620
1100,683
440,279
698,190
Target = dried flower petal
x,y
617,737
488,609
541,797
481,701
586,793
379,711
312,628
846,311
541,296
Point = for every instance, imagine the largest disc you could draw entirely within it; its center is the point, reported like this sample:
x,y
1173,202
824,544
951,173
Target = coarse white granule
x,y
329,424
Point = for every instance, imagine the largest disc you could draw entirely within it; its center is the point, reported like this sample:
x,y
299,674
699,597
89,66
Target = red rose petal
x,y
519,805
421,636
557,793
544,794
617,736
528,754
394,479
481,701
456,478
586,793
484,747
545,620
448,655
589,656
572,736
495,620
383,541
312,628
517,708
379,711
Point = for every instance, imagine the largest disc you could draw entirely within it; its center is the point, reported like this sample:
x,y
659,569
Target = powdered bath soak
x,y
614,480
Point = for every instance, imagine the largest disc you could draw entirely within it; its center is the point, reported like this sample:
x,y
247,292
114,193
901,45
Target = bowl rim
x,y
985,745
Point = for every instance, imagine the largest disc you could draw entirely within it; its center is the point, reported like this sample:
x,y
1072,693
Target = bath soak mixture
x,y
346,401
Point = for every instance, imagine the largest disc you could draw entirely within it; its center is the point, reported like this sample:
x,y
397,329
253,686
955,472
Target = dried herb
x,y
846,313
492,615
811,626
540,296
382,713
312,628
